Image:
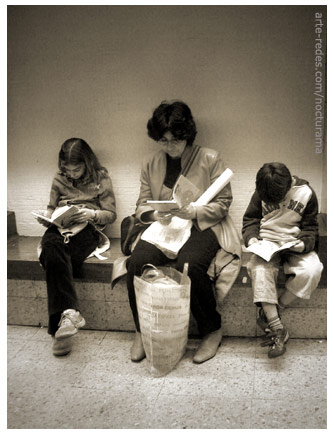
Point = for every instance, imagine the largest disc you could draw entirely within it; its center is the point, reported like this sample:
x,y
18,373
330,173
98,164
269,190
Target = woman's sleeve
x,y
145,192
212,213
107,213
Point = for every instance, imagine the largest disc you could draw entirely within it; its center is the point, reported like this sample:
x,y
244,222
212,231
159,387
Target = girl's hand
x,y
299,247
89,214
186,212
45,213
163,217
83,215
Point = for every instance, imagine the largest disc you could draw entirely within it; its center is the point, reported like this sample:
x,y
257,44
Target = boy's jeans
x,y
303,275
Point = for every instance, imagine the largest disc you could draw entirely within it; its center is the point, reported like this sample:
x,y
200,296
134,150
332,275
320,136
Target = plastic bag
x,y
163,303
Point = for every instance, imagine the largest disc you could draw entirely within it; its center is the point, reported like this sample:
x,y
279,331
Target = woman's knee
x,y
142,256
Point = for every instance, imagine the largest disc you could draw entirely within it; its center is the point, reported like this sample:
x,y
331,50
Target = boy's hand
x,y
299,247
252,240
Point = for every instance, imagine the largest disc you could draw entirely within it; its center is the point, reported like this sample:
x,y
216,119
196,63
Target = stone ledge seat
x,y
107,308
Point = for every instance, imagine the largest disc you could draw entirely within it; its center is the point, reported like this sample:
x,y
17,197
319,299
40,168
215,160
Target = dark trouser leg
x,y
61,261
143,253
199,251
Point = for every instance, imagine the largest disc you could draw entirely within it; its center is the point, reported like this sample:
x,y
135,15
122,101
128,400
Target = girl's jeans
x,y
62,263
303,275
198,251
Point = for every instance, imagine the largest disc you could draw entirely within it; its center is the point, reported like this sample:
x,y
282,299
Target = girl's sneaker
x,y
70,321
62,347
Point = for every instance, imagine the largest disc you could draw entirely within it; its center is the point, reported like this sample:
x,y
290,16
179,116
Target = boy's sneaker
x,y
70,321
262,321
276,341
62,347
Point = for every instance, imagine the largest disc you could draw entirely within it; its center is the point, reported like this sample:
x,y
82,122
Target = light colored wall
x,y
96,72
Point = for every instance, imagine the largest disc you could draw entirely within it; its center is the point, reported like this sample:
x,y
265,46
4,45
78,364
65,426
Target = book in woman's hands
x,y
184,192
59,216
267,249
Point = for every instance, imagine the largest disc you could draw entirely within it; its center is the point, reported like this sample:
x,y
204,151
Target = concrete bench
x,y
107,308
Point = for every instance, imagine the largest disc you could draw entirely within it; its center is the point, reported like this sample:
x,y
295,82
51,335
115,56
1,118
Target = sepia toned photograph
x,y
166,216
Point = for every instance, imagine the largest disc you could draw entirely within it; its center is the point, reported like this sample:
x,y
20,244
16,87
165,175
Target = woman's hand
x,y
163,217
299,247
186,212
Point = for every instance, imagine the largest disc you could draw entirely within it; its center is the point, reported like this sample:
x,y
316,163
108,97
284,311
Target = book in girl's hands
x,y
267,249
59,215
184,192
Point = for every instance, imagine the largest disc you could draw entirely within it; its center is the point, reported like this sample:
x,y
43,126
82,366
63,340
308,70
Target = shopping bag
x,y
163,304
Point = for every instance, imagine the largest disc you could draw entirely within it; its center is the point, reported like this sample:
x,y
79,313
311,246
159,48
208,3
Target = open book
x,y
59,215
184,192
267,249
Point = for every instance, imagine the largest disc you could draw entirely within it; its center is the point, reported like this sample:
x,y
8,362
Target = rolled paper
x,y
215,188
170,238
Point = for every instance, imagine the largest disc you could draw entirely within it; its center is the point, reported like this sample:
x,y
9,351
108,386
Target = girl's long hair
x,y
75,151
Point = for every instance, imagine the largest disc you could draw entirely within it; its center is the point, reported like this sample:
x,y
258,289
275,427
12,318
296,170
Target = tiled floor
x,y
97,386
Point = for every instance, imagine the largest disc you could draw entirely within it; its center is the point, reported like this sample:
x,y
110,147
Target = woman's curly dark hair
x,y
175,117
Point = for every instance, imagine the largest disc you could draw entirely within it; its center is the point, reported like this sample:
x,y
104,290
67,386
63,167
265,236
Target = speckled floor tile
x,y
223,375
289,414
200,412
291,377
78,408
20,332
98,386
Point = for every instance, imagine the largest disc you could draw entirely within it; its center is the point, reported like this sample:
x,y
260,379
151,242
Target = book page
x,y
62,213
41,216
185,192
163,205
267,249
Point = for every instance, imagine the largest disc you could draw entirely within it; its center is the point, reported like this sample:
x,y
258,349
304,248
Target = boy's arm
x,y
251,219
309,224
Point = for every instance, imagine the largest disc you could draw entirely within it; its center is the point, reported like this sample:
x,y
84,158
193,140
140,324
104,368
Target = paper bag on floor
x,y
163,303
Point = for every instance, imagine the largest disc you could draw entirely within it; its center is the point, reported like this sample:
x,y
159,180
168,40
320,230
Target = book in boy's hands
x,y
267,249
184,192
60,215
